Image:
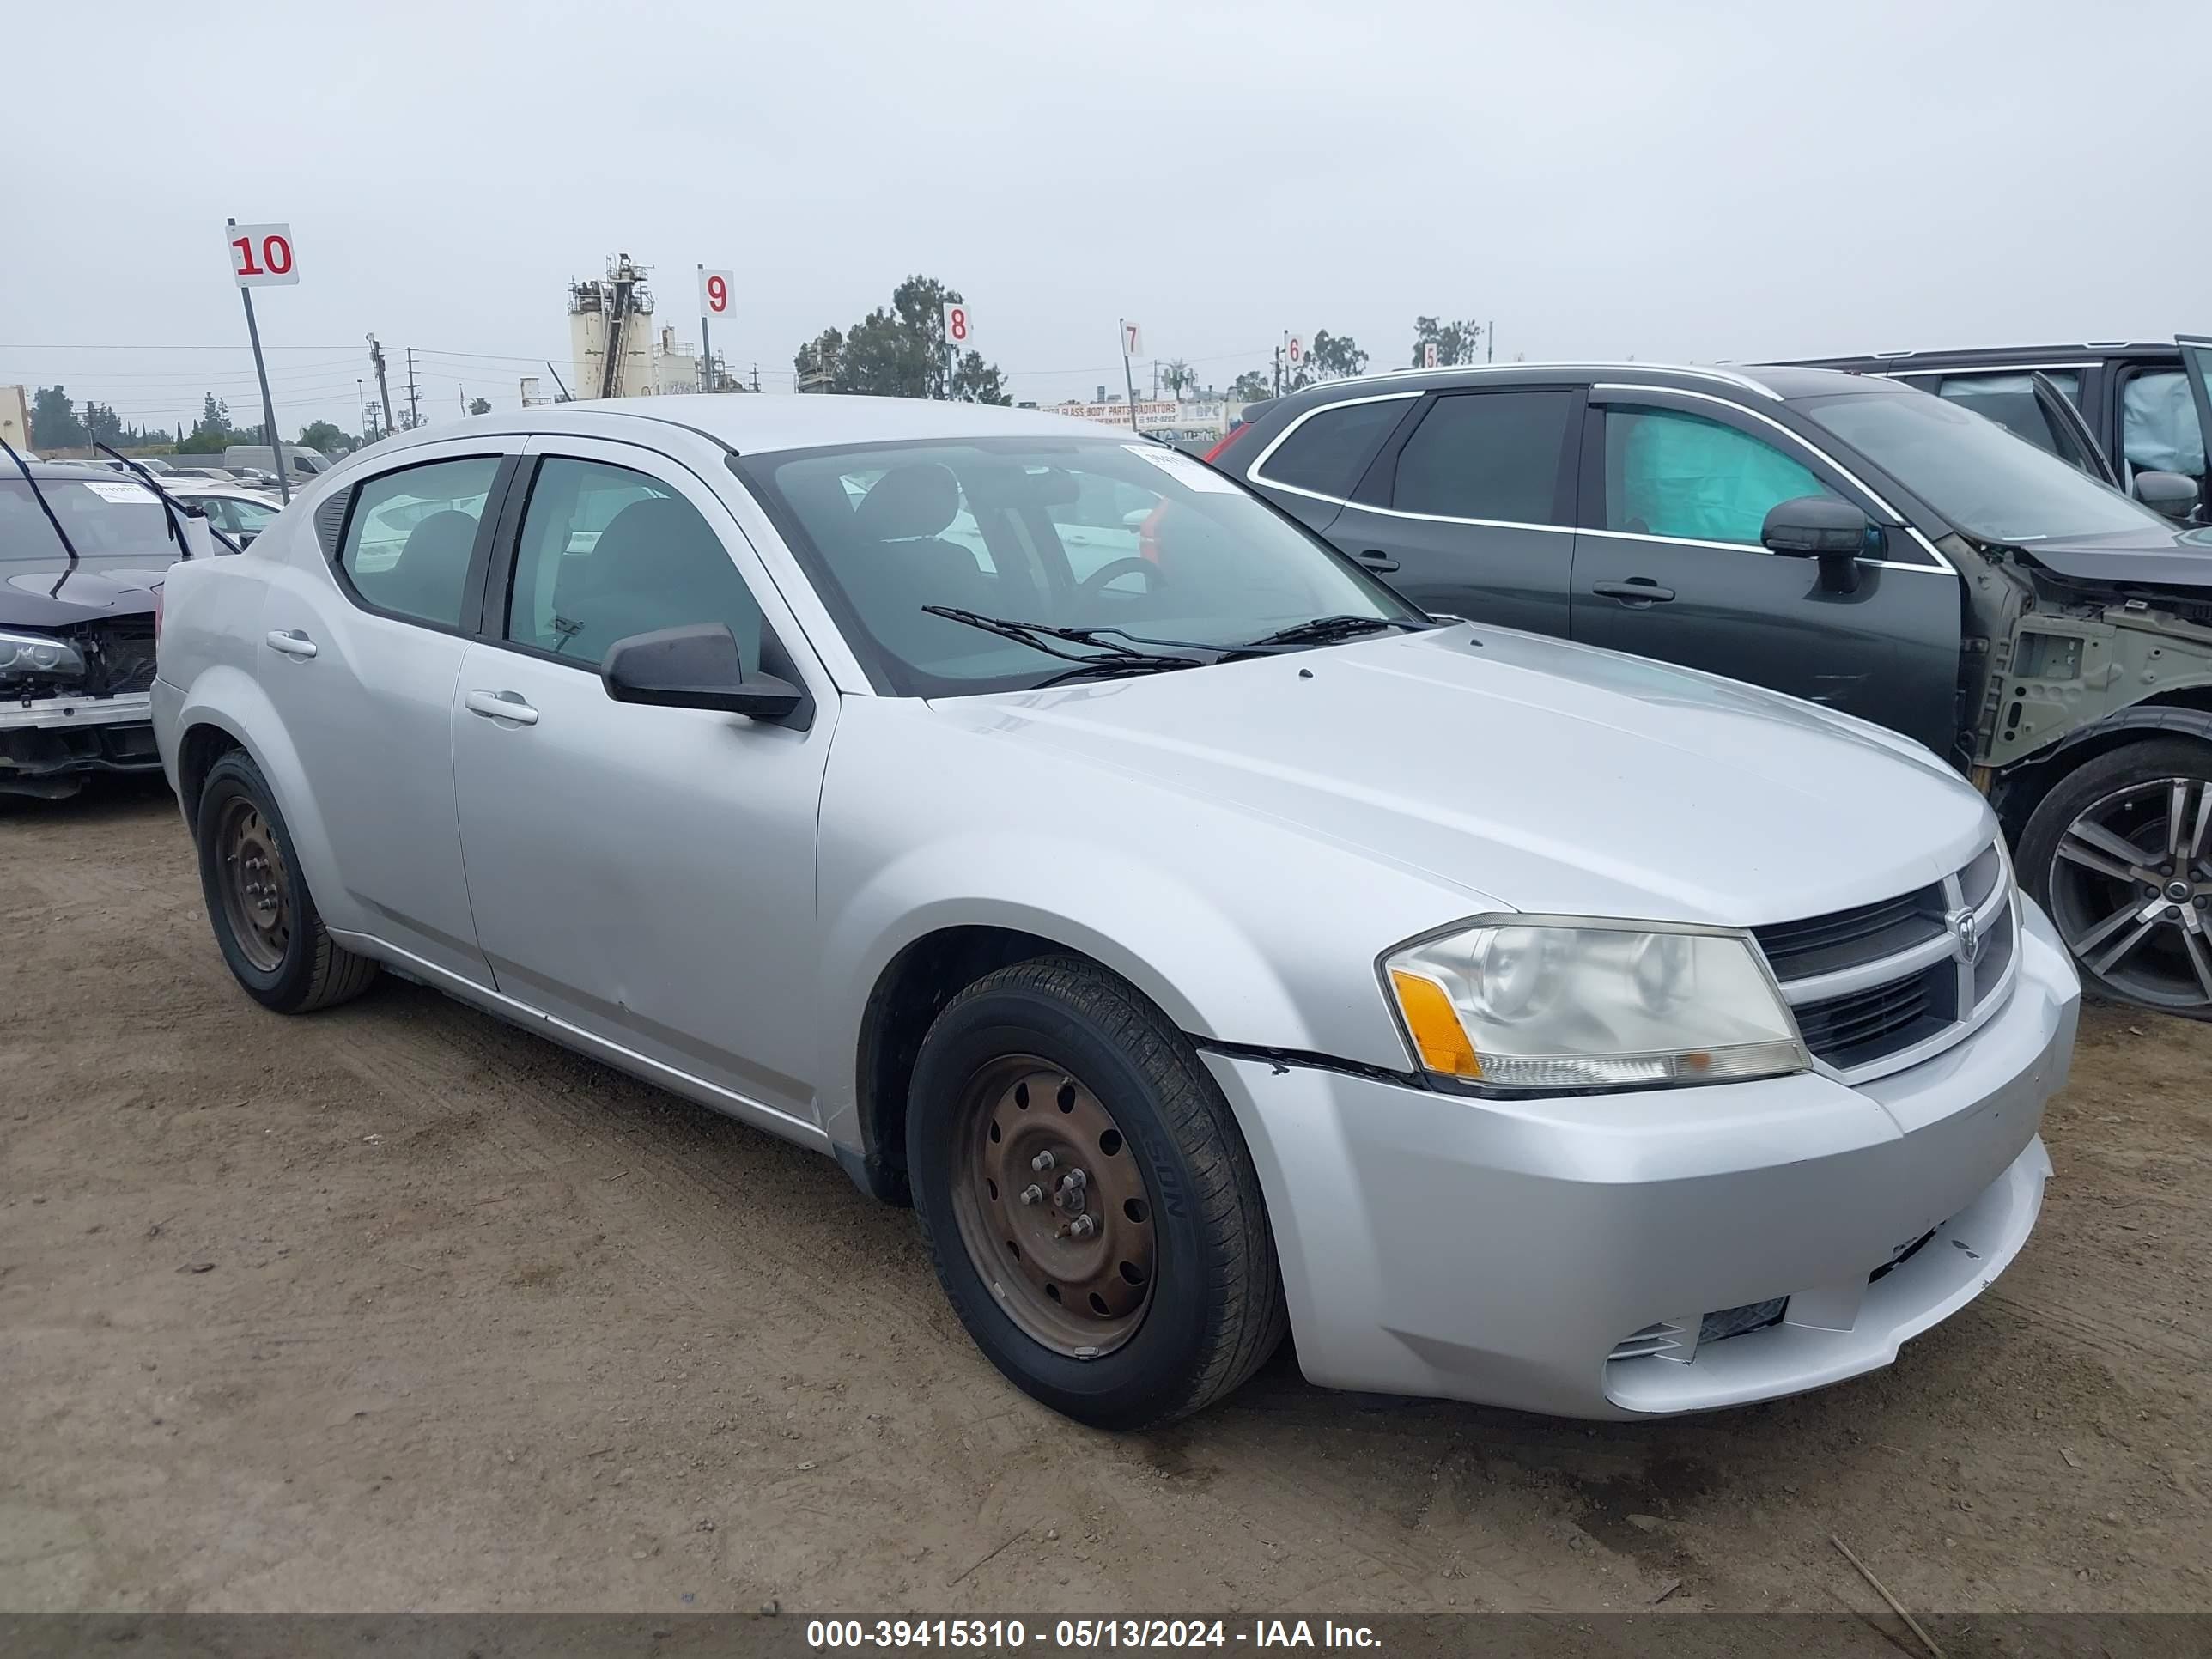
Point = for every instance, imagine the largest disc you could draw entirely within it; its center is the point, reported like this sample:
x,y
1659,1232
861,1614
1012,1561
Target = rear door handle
x,y
292,642
1636,590
1375,559
502,706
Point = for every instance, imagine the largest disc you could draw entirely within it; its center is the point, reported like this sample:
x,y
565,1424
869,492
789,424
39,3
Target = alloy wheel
x,y
2131,891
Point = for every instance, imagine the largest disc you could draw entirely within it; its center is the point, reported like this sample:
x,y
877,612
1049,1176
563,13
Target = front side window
x,y
1327,451
1486,455
607,552
1009,528
1667,474
2158,424
1991,484
411,534
250,518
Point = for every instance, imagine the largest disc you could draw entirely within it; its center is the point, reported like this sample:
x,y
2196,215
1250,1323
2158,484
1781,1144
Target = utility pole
x,y
414,396
756,377
1278,371
383,385
1490,341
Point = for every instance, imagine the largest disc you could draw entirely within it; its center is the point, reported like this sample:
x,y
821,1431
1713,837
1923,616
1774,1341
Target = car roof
x,y
2092,351
1772,384
757,422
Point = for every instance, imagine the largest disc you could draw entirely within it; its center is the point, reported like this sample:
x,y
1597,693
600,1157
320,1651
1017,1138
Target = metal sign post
x,y
958,326
261,257
1133,345
714,302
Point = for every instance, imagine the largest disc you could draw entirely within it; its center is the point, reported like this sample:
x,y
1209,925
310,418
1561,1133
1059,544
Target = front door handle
x,y
1636,591
1375,559
502,706
292,642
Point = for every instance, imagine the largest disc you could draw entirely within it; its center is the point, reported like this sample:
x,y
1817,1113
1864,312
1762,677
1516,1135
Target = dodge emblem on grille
x,y
1965,936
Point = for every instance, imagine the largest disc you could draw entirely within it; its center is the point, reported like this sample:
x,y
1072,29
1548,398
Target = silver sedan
x,y
1203,940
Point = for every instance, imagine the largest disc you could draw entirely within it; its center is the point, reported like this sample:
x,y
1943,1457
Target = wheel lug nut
x,y
1073,1181
1032,1194
2173,913
1042,1161
1082,1226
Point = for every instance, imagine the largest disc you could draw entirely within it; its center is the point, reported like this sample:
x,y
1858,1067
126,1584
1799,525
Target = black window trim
x,y
1382,475
1253,474
1609,394
470,626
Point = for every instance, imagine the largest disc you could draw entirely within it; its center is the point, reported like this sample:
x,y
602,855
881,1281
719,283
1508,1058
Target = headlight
x,y
35,653
1592,1005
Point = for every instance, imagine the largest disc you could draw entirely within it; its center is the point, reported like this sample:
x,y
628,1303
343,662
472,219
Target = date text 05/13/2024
x,y
1084,1633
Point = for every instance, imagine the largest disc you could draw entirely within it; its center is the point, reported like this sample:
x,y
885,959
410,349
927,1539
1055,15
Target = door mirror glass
x,y
695,666
2169,494
1819,527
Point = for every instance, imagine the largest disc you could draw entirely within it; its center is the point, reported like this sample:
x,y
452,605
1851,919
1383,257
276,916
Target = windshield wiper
x,y
1110,655
1324,630
171,507
46,506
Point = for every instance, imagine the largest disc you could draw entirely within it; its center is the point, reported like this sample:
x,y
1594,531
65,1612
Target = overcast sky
x,y
1702,180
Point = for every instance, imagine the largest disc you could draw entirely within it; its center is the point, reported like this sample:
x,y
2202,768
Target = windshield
x,y
1063,533
1993,486
104,518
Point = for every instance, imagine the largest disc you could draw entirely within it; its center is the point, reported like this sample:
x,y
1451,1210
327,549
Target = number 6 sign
x,y
955,324
261,255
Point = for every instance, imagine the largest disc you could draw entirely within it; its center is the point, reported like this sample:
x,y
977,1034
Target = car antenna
x,y
39,495
171,507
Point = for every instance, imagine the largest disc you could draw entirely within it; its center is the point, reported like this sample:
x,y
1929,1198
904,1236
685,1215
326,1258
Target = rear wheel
x,y
1090,1205
264,917
2120,853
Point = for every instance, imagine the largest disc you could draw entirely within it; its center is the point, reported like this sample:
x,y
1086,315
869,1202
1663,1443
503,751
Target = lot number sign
x,y
261,255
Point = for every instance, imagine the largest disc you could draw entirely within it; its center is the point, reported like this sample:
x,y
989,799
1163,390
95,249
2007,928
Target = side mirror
x,y
2170,494
695,666
1819,527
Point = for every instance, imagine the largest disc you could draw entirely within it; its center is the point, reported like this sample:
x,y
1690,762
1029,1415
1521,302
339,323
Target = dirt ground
x,y
397,1308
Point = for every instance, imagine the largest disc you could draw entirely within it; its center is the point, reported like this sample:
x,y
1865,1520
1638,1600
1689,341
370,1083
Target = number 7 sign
x,y
261,255
1133,339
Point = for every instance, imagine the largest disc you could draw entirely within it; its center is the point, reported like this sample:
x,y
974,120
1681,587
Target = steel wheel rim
x,y
1066,1246
2131,891
255,901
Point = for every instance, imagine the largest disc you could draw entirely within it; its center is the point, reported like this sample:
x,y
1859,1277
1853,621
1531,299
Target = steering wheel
x,y
1114,570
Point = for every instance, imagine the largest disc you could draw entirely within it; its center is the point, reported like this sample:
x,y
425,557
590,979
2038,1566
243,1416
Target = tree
x,y
103,425
329,438
1330,357
1178,377
214,433
1456,343
1250,386
54,424
898,351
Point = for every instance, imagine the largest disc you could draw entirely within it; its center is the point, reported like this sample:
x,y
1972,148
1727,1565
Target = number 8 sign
x,y
261,255
955,324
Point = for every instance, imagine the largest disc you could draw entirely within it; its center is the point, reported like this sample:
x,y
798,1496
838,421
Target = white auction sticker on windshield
x,y
1187,469
119,492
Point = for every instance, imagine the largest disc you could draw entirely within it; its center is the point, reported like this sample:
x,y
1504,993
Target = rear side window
x,y
411,535
2158,424
1486,455
1328,451
2009,400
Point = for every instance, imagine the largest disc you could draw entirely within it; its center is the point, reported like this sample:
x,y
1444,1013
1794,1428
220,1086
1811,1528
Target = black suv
x,y
2132,402
1839,537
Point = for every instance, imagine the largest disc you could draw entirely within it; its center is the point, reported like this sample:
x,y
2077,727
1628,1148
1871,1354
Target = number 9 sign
x,y
714,293
261,255
955,324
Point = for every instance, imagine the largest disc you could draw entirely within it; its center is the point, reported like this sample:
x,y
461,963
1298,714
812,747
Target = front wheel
x,y
1090,1205
2120,853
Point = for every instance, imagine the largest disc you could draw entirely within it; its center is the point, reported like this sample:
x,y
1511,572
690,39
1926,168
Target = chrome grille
x,y
1878,987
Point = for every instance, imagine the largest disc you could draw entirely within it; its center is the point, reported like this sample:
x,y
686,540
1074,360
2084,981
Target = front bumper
x,y
51,739
1501,1251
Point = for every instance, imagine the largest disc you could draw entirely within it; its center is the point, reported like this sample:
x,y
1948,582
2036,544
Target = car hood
x,y
2181,557
48,594
1530,773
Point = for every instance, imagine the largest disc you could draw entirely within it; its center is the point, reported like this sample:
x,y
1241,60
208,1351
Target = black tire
x,y
2127,793
1216,1311
313,970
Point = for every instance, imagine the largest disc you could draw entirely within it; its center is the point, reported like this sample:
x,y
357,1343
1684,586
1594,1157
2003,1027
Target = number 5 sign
x,y
956,325
261,255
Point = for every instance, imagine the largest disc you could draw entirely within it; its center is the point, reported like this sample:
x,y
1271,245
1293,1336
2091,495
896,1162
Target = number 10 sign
x,y
261,255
